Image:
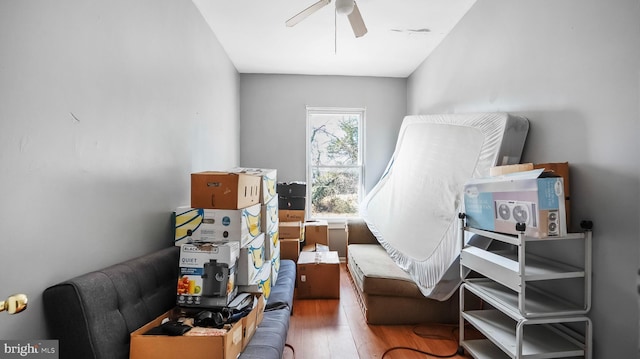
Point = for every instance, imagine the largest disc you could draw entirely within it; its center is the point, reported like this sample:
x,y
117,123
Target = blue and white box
x,y
269,218
252,259
208,274
535,198
197,225
269,181
263,282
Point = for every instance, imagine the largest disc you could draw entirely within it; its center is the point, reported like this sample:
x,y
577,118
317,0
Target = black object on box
x,y
292,189
293,203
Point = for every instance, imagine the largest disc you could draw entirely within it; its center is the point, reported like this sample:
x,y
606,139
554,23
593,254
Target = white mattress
x,y
413,209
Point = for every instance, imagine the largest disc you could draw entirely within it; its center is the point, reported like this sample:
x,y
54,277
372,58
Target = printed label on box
x,y
197,225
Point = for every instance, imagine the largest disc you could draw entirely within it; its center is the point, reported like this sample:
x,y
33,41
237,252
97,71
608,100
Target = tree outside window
x,y
334,162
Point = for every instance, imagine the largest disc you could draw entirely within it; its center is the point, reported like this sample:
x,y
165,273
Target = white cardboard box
x,y
275,266
252,259
207,274
263,282
269,180
272,242
269,215
197,225
535,198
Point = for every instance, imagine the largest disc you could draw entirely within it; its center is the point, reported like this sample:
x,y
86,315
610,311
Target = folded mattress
x,y
413,209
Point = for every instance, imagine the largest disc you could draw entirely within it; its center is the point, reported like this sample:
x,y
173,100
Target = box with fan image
x,y
198,225
535,198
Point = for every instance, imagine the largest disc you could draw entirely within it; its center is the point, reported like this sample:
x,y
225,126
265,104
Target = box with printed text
x,y
224,190
198,225
262,283
534,198
269,215
207,274
252,259
269,177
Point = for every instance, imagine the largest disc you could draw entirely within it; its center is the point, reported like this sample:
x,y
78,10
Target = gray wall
x,y
273,118
106,107
573,68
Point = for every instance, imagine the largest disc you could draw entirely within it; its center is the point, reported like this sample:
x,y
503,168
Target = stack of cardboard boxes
x,y
291,214
307,243
269,224
228,241
318,267
228,237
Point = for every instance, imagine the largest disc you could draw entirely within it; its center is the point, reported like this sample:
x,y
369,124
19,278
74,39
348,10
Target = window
x,y
334,162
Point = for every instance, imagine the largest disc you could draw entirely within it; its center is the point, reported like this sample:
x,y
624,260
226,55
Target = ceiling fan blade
x,y
306,12
357,24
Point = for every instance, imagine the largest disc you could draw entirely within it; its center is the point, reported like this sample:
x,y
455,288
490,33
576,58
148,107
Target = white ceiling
x,y
254,35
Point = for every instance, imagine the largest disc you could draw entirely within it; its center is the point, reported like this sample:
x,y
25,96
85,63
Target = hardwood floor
x,y
336,329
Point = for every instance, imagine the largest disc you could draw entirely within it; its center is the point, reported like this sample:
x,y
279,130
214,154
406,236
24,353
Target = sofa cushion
x,y
270,337
93,314
375,273
282,293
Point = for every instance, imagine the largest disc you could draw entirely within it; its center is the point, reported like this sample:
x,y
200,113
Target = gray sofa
x,y
93,314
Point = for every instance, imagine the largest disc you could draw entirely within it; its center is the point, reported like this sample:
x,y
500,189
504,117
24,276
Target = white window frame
x,y
361,138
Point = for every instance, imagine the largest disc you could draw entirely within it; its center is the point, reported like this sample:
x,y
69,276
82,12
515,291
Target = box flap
x,y
330,257
536,173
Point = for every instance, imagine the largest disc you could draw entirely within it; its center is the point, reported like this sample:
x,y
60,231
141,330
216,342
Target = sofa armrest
x,y
92,315
358,232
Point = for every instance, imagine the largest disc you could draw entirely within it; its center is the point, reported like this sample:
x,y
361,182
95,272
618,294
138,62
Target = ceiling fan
x,y
343,7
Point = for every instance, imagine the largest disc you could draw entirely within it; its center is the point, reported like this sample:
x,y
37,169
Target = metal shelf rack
x,y
523,320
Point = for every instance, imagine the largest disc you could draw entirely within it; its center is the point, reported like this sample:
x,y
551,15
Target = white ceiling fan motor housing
x,y
344,7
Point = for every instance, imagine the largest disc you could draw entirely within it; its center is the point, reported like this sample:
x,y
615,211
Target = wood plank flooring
x,y
336,329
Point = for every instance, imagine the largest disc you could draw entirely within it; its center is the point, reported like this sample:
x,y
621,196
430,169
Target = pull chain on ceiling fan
x,y
343,7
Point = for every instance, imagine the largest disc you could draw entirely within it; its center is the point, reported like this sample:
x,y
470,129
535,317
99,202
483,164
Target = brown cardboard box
x,y
290,230
228,346
290,215
224,190
251,321
290,249
315,248
143,346
318,275
316,232
561,169
506,169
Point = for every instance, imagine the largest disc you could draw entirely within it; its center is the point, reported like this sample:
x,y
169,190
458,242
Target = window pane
x,y
334,191
334,139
